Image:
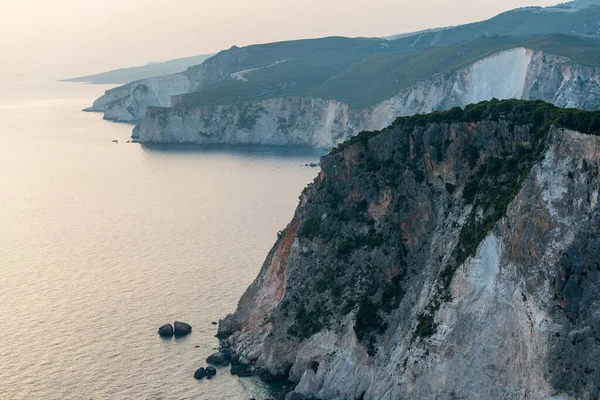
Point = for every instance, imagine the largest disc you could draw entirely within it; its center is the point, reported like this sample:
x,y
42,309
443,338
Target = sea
x,y
103,242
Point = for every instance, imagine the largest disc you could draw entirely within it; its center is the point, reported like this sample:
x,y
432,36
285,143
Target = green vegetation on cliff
x,y
537,113
370,222
368,71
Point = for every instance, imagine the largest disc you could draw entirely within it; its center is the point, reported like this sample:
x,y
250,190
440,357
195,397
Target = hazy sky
x,y
63,38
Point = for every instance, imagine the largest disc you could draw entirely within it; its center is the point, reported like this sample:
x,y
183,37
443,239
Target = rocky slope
x,y
450,256
517,73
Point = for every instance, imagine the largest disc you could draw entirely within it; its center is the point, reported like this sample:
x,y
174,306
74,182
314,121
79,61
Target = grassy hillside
x,y
363,76
523,21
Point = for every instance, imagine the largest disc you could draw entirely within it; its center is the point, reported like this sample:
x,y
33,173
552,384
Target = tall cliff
x,y
516,73
449,256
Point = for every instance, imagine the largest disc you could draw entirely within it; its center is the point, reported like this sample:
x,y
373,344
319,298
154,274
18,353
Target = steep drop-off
x,y
449,256
517,73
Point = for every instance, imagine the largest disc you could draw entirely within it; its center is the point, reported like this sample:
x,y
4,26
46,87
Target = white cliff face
x,y
290,121
502,76
129,103
518,73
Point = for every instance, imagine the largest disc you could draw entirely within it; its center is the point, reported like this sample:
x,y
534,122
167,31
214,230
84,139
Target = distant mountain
x,y
563,18
580,4
403,35
126,75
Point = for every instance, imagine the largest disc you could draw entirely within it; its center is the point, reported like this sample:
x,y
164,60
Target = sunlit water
x,y
101,243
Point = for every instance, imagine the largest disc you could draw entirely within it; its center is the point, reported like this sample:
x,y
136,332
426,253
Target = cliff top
x,y
538,114
368,71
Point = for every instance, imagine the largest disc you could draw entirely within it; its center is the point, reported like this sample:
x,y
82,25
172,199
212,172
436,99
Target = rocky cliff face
x,y
128,103
439,259
519,73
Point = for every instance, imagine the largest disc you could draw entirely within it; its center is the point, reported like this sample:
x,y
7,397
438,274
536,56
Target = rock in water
x,y
216,358
166,330
182,329
211,371
200,373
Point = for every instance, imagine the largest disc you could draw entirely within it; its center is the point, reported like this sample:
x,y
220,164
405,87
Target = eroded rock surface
x,y
449,256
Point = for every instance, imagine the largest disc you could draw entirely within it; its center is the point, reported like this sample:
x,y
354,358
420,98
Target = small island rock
x,y
211,371
181,328
166,330
200,373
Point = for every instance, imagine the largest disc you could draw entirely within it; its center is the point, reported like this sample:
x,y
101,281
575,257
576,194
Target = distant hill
x,y
374,78
126,75
568,18
580,3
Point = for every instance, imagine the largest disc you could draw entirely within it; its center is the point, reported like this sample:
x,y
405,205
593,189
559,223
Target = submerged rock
x,y
182,329
166,330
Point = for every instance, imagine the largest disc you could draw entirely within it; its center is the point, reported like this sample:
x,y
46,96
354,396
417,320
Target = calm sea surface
x,y
101,243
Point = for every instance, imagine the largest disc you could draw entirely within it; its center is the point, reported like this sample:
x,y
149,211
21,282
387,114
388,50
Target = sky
x,y
66,38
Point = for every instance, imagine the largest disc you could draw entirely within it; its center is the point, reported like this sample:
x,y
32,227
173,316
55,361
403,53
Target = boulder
x,y
216,358
294,396
182,329
200,373
211,371
166,330
245,373
241,370
228,353
245,361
